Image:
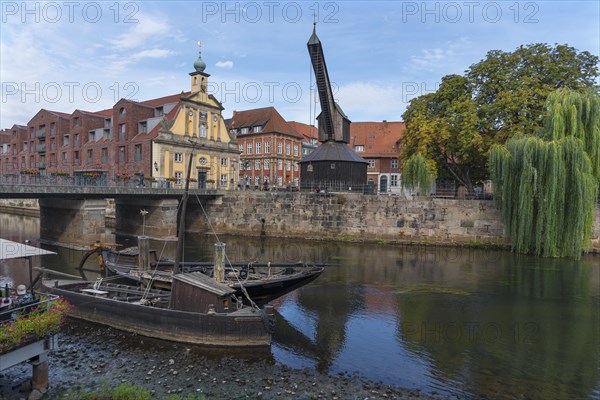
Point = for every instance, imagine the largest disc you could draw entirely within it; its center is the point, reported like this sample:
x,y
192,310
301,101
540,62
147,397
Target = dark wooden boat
x,y
263,282
196,310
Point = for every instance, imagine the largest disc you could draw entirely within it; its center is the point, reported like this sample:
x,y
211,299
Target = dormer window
x,y
122,112
244,131
359,148
258,129
159,112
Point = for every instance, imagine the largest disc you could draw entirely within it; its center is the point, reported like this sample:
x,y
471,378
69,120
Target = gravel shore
x,y
91,356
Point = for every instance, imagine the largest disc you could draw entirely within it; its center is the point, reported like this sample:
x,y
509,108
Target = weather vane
x,y
314,18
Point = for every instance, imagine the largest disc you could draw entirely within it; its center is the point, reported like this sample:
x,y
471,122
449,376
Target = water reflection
x,y
474,323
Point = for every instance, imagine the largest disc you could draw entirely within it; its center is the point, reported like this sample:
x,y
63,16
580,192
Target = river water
x,y
468,323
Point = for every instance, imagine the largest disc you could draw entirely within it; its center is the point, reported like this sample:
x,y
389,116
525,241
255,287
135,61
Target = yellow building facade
x,y
195,128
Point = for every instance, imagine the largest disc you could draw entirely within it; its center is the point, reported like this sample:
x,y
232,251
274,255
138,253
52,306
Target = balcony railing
x,y
40,134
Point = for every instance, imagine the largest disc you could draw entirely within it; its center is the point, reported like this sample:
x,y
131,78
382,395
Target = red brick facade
x,y
270,148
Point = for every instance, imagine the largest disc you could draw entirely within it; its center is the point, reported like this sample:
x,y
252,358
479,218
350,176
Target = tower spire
x,y
199,64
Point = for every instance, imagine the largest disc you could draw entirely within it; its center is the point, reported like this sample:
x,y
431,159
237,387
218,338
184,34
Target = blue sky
x,y
86,55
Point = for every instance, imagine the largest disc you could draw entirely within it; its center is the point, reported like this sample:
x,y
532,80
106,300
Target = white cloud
x,y
152,53
224,64
148,29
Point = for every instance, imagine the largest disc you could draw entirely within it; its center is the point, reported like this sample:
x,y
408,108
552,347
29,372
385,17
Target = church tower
x,y
199,77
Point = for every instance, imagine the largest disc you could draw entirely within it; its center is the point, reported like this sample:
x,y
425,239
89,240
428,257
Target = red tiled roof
x,y
104,113
59,114
380,139
308,131
268,118
174,98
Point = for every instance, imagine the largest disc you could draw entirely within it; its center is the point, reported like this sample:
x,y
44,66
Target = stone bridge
x,y
77,214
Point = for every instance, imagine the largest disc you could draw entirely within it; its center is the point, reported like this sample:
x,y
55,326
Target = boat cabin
x,y
196,292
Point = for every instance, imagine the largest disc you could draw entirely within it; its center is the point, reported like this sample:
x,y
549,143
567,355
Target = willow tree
x,y
418,174
547,183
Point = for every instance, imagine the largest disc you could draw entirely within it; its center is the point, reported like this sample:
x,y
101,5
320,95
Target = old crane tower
x,y
332,166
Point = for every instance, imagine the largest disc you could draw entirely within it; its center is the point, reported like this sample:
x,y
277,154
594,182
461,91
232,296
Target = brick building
x,y
152,138
270,148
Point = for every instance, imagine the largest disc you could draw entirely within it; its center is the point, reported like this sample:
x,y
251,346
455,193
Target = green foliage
x,y
547,184
499,97
417,175
126,391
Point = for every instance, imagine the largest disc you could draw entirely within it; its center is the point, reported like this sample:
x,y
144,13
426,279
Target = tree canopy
x,y
547,183
497,98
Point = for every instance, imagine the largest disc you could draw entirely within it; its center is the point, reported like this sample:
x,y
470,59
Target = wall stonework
x,y
355,217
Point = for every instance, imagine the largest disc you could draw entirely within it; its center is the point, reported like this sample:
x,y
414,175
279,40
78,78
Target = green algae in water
x,y
429,289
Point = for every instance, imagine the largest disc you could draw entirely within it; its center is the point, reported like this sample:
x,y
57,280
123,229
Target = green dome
x,y
199,64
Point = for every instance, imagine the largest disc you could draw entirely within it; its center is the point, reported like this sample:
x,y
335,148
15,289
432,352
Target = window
x,y
257,180
279,181
295,181
122,132
394,180
104,158
244,131
122,112
76,121
179,177
159,112
108,134
359,148
138,152
52,129
223,162
267,164
91,136
371,163
249,148
143,127
202,131
280,165
296,150
279,148
258,147
24,146
90,156
75,158
257,129
178,157
288,165
267,147
223,179
287,149
76,141
394,163
122,154
66,140
257,165
295,166
65,158
241,148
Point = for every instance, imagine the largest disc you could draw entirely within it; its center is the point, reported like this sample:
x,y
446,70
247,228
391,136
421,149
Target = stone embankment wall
x,y
355,217
342,217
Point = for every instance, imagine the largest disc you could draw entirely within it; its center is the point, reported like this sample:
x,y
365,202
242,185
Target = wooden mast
x,y
181,230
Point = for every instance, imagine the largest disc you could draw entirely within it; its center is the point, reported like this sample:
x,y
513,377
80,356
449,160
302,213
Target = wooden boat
x,y
196,310
263,282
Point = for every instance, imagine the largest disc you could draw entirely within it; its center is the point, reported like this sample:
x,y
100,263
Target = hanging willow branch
x,y
418,174
547,184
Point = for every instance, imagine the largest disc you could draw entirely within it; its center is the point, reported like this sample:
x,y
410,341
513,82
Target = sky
x,y
70,55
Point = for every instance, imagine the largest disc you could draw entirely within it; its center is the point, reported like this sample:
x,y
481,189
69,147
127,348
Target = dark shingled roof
x,y
333,151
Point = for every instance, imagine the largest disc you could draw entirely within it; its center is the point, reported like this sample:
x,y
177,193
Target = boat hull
x,y
241,328
261,291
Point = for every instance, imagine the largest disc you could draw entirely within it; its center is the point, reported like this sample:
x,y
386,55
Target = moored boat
x,y
197,310
262,282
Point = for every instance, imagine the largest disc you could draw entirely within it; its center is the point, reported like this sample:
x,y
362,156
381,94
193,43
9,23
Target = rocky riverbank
x,y
91,356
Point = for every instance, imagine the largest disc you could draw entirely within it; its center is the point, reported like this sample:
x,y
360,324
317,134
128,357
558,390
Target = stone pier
x,y
77,222
160,220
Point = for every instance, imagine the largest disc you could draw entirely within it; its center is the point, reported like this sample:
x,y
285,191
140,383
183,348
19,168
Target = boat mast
x,y
184,199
